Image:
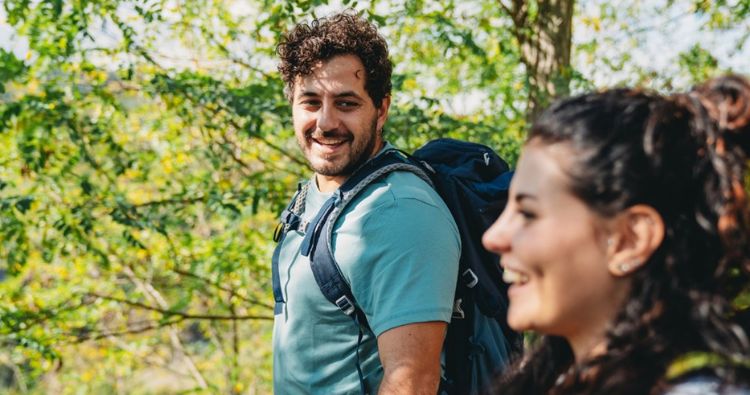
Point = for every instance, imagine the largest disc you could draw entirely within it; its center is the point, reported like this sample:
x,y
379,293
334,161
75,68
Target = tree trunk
x,y
544,33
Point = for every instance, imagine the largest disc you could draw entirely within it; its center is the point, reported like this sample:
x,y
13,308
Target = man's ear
x,y
636,234
383,112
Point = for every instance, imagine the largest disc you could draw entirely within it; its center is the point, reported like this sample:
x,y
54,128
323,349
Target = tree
x,y
544,31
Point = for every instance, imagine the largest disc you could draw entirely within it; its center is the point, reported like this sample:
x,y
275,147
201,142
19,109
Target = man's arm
x,y
410,355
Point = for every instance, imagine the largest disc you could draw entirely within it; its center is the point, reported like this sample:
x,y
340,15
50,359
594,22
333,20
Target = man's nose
x,y
328,118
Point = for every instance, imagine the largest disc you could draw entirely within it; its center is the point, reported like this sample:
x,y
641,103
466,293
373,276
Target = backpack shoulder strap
x,y
290,220
317,243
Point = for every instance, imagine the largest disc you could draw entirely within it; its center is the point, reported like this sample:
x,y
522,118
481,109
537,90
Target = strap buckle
x,y
345,305
471,279
288,221
458,311
288,217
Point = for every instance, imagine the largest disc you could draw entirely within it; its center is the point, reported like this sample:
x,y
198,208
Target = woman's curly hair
x,y
685,155
341,34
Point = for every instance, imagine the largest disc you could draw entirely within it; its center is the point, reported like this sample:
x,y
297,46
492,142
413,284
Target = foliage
x,y
665,45
146,149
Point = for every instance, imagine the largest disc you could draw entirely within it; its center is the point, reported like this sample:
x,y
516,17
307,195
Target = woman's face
x,y
554,251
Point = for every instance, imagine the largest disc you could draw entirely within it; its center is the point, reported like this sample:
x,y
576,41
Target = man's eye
x,y
347,104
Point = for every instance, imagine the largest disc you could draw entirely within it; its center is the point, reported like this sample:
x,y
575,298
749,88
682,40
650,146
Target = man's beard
x,y
360,151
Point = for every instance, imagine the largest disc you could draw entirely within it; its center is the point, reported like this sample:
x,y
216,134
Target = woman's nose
x,y
497,237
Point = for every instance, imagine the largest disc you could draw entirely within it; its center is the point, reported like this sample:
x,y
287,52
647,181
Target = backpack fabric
x,y
473,181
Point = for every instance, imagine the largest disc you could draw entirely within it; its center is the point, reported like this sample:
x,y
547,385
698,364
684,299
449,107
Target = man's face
x,y
336,122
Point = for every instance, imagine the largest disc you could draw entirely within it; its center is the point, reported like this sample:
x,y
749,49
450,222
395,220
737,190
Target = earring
x,y
626,267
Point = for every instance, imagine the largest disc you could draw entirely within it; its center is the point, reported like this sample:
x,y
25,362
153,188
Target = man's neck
x,y
328,184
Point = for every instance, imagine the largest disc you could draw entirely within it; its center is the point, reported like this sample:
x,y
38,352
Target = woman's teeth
x,y
513,277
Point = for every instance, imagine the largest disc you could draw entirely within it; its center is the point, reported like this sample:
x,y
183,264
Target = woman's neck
x,y
588,346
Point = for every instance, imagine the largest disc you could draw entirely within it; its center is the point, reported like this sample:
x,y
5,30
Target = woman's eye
x,y
526,214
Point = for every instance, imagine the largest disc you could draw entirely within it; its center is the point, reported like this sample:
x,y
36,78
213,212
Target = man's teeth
x,y
512,277
329,141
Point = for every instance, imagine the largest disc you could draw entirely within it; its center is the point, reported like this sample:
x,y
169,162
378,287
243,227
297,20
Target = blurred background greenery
x,y
146,150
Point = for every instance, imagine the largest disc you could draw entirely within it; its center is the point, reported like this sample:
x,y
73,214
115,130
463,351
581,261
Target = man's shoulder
x,y
397,193
402,184
407,185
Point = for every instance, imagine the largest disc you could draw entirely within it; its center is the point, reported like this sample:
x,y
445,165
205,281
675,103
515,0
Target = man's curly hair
x,y
341,34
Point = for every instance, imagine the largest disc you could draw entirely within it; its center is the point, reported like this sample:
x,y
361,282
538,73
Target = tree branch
x,y
219,286
223,107
131,331
273,146
182,315
36,318
232,144
507,10
170,201
228,54
148,289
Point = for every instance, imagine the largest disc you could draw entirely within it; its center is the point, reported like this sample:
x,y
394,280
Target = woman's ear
x,y
636,234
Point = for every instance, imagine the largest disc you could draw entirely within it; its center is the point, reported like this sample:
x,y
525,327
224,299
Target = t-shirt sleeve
x,y
401,260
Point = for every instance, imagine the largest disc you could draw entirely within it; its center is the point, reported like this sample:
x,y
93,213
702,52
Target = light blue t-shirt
x,y
398,247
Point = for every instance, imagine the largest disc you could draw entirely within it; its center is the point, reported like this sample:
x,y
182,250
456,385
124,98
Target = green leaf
x,y
23,204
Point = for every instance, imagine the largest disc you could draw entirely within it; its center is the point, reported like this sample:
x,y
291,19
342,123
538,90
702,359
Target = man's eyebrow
x,y
344,94
347,94
308,94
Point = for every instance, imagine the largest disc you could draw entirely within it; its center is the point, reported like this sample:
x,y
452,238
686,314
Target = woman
x,y
625,241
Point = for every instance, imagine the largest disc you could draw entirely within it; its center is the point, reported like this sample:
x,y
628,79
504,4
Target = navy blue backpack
x,y
473,181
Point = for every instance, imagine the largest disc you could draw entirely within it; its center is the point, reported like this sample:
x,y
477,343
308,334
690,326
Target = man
x,y
396,244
